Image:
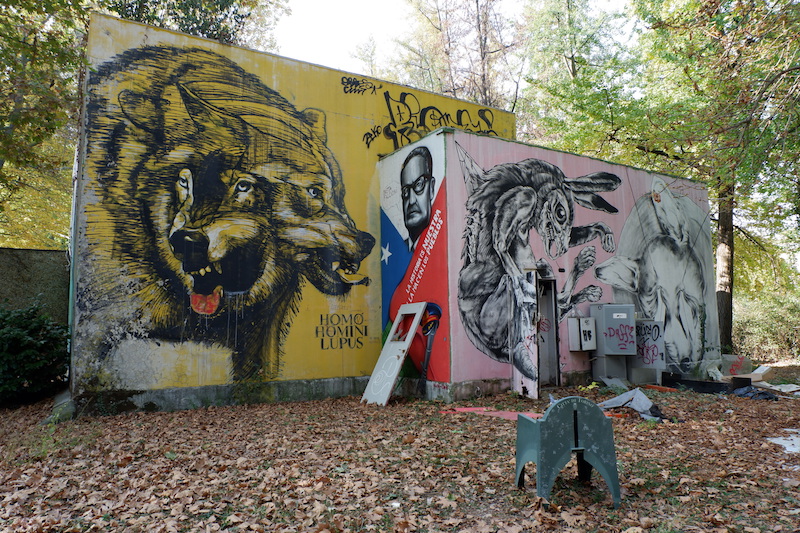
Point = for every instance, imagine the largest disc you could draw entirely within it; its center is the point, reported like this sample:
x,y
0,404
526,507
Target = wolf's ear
x,y
140,110
215,126
316,119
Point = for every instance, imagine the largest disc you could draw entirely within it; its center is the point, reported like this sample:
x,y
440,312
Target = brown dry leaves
x,y
338,465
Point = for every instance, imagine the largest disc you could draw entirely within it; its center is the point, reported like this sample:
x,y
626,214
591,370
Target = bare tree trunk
x,y
725,266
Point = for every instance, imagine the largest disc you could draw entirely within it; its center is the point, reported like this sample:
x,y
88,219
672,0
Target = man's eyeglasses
x,y
418,186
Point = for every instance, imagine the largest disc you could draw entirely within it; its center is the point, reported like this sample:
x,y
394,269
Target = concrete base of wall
x,y
572,379
115,402
451,392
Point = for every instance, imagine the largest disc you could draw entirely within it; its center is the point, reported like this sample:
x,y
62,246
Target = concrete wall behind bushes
x,y
28,274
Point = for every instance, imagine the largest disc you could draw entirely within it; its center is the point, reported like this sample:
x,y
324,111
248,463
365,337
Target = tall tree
x,y
463,49
40,56
710,92
221,20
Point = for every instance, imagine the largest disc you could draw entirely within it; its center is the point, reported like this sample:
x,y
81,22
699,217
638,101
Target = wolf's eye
x,y
244,186
183,178
314,192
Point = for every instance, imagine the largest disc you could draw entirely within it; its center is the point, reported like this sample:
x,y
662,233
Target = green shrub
x,y
34,361
766,327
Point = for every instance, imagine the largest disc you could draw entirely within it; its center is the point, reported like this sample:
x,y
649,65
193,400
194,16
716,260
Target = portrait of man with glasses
x,y
417,189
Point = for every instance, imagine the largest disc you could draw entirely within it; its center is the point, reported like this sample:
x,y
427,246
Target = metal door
x,y
549,365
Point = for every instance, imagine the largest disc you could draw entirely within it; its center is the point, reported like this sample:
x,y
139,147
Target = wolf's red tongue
x,y
206,304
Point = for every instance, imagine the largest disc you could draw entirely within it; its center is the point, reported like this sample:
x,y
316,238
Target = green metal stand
x,y
572,424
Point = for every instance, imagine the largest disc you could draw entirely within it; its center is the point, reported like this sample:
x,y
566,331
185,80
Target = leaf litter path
x,y
339,465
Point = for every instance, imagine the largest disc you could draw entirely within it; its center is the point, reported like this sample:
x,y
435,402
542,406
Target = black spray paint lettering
x,y
648,331
351,85
337,331
371,135
646,336
410,120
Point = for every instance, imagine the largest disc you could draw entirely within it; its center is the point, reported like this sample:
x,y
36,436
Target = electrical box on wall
x,y
616,329
582,334
616,339
650,360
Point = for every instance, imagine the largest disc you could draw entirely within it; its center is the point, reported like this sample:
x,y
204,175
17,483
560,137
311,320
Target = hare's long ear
x,y
668,210
594,182
584,187
473,174
593,201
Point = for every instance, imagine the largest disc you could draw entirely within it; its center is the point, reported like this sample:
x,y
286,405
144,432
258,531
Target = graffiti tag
x,y
647,353
648,331
371,135
736,367
624,335
351,85
649,342
409,120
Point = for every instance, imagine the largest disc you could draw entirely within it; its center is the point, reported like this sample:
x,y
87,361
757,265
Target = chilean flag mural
x,y
414,250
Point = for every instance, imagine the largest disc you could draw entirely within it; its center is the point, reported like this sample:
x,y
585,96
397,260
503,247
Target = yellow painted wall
x,y
132,331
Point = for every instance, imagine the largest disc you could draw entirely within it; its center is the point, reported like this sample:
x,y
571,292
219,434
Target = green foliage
x,y
40,58
765,326
40,61
37,215
221,20
34,360
241,22
762,261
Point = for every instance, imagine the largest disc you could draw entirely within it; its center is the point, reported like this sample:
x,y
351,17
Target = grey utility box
x,y
649,362
616,339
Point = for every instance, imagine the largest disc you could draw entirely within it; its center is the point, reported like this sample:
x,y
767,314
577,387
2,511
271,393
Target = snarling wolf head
x,y
220,195
249,198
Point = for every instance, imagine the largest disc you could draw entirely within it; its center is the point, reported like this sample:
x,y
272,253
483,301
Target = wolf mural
x,y
496,298
213,199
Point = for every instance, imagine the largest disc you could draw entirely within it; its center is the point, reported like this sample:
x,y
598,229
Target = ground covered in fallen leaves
x,y
339,465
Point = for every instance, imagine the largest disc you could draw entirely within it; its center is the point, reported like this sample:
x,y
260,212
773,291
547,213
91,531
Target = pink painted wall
x,y
637,225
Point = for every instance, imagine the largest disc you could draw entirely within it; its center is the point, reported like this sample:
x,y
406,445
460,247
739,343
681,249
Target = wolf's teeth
x,y
217,267
335,266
